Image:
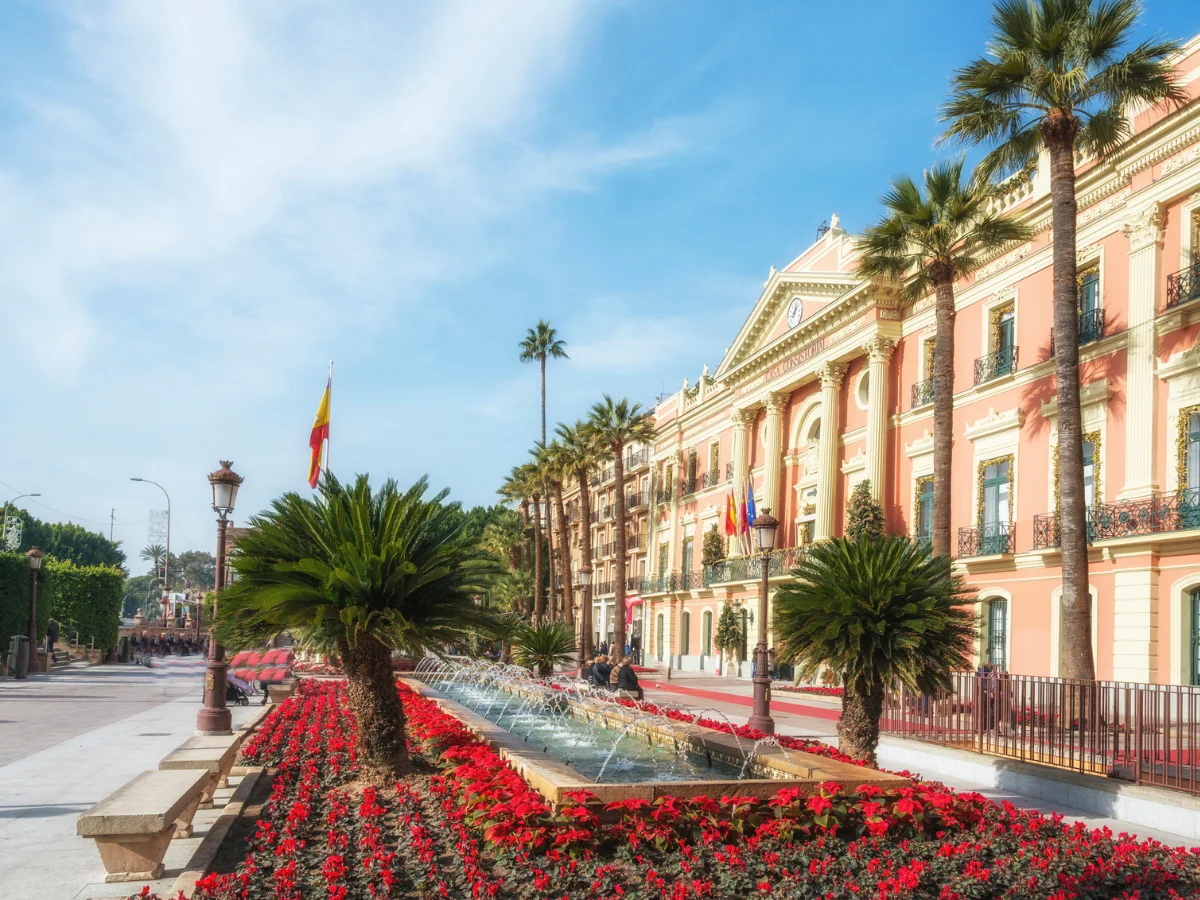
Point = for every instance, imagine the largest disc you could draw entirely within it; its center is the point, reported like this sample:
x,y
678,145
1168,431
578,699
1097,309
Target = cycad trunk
x,y
371,689
539,595
585,557
619,565
1076,635
858,727
564,553
943,413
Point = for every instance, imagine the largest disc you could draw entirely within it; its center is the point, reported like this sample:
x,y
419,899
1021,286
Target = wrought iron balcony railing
x,y
1091,327
711,478
688,486
996,365
922,393
1163,512
1184,285
987,540
635,542
688,580
658,584
602,588
637,499
663,496
637,460
749,568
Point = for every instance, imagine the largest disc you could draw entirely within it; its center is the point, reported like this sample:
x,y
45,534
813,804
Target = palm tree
x,y
513,491
543,468
877,613
504,536
542,343
154,554
618,424
927,240
559,467
371,571
1055,78
512,591
544,645
518,486
580,454
505,628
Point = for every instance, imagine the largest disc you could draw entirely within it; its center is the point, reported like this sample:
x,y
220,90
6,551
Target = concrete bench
x,y
133,826
214,755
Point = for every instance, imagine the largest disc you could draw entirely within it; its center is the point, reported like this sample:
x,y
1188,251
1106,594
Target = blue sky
x,y
201,204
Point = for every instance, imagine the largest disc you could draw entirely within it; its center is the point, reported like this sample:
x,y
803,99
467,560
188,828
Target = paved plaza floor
x,y
67,740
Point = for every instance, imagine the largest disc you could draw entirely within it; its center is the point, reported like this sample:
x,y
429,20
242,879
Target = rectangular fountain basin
x,y
770,771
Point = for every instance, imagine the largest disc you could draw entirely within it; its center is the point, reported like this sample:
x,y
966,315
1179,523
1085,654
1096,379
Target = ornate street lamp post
x,y
35,562
214,716
584,617
765,526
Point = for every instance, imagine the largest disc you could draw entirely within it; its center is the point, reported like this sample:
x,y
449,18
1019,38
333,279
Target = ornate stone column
x,y
831,382
1145,232
879,350
774,461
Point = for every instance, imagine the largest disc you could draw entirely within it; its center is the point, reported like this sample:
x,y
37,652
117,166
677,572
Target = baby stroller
x,y
237,691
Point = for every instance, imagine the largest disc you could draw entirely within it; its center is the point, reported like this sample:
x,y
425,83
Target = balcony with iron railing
x,y
711,479
1091,328
637,460
689,580
602,589
637,500
688,486
987,540
1160,513
658,584
1184,285
663,496
635,542
996,365
749,568
922,393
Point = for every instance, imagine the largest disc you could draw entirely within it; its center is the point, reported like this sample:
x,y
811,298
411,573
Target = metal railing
x,y
633,501
687,486
1184,285
1166,511
663,496
658,584
1091,327
1145,733
635,542
635,460
996,365
999,537
688,580
922,393
602,588
749,568
711,478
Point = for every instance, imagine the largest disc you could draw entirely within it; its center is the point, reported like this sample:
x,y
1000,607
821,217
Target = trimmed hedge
x,y
87,599
15,583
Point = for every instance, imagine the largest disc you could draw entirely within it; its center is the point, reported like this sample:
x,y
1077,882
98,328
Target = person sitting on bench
x,y
627,679
600,671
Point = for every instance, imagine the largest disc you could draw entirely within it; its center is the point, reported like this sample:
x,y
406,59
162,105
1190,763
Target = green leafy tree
x,y
618,424
373,571
66,540
933,234
878,613
197,566
543,645
504,538
864,516
729,637
713,550
1061,75
140,592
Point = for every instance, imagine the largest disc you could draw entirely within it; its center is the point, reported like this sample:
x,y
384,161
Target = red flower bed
x,y
810,689
478,830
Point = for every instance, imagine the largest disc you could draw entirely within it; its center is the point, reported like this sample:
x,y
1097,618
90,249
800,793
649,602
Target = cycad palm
x,y
876,612
543,646
617,425
1056,77
542,343
933,234
581,454
371,571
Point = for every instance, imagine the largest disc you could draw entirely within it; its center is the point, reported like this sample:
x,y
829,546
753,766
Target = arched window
x,y
1193,624
995,648
706,633
685,633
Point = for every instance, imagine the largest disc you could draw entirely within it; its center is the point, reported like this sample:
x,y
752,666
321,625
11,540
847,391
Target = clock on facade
x,y
795,312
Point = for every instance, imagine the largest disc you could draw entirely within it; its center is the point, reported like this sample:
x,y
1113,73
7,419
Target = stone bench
x,y
213,754
133,826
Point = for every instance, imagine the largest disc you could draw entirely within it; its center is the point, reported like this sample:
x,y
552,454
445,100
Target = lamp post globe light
x,y
214,716
35,563
584,617
765,528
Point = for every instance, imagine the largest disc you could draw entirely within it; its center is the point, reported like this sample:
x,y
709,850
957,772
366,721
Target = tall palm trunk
x,y
551,559
564,554
1076,635
543,361
619,567
858,726
943,412
585,559
539,596
371,690
526,555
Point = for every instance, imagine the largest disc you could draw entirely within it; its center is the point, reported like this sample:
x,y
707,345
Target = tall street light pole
x,y
35,563
214,717
765,527
7,504
167,558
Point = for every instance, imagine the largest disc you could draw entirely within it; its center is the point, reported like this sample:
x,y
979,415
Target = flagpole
x,y
329,431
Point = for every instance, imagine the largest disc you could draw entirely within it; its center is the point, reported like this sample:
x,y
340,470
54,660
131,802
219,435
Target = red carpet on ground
x,y
800,709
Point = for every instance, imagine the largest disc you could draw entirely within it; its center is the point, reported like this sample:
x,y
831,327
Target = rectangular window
x,y
714,459
994,513
1192,459
685,636
685,567
929,348
1089,474
706,634
1089,289
664,554
1004,335
925,508
808,532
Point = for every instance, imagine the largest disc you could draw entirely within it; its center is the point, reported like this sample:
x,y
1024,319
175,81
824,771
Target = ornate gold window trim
x,y
1181,436
1195,235
1081,275
1094,437
930,344
1011,459
999,312
919,482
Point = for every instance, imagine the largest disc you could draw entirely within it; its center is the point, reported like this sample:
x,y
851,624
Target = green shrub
x,y
87,599
15,583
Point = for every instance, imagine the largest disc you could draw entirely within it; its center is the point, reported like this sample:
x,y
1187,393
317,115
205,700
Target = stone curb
x,y
202,859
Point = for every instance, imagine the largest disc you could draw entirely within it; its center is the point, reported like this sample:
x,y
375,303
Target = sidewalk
x,y
814,717
98,746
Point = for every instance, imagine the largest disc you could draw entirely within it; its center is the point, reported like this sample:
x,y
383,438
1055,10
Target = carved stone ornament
x,y
776,402
812,458
1147,227
832,375
879,349
741,417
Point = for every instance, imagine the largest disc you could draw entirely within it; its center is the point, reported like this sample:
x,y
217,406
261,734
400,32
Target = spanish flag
x,y
730,517
320,433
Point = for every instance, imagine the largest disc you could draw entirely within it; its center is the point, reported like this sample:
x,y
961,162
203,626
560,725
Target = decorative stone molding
x,y
1183,159
742,417
879,349
919,447
812,458
1146,228
856,463
1089,395
1105,206
1087,254
776,402
831,375
995,422
1004,262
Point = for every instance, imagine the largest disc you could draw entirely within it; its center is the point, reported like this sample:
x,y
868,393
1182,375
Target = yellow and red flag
x,y
319,434
730,516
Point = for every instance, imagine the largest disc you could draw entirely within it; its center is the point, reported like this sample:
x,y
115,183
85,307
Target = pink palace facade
x,y
828,383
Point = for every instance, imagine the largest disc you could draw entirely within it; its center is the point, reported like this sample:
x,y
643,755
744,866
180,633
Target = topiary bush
x,y
87,599
864,517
